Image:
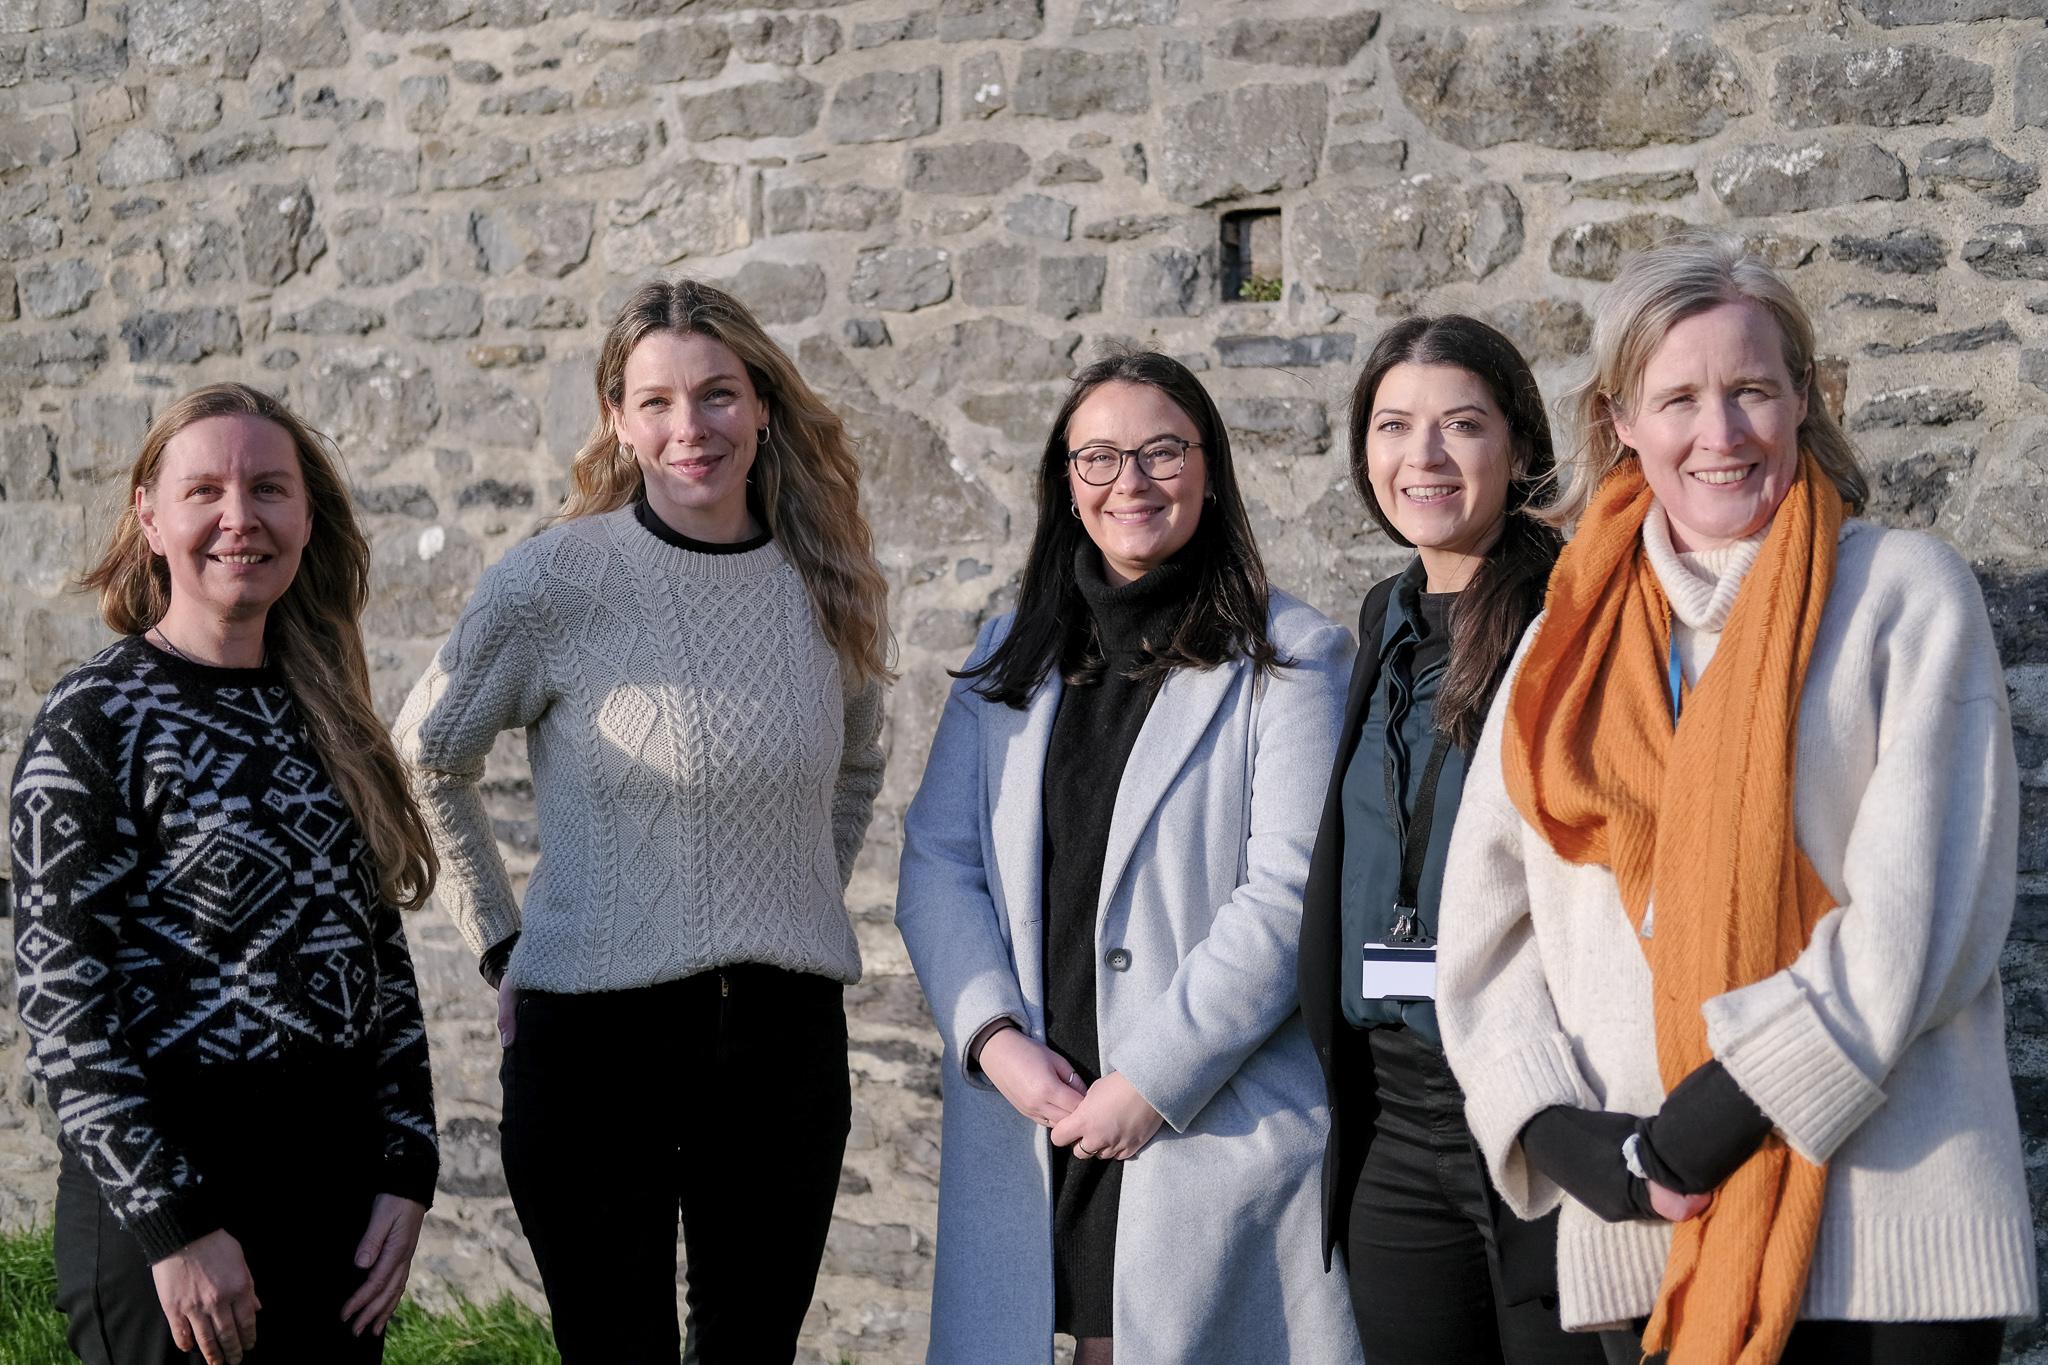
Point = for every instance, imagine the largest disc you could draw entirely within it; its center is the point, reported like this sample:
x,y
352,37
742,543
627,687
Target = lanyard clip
x,y
1405,929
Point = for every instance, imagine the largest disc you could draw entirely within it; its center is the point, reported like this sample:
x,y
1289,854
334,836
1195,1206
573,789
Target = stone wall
x,y
413,218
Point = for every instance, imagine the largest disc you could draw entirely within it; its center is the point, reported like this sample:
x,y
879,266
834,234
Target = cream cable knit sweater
x,y
703,781
1880,1050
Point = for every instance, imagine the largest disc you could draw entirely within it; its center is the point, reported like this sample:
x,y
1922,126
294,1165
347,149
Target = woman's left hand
x,y
386,1253
1115,1121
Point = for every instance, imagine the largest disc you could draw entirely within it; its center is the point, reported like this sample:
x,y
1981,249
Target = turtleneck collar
x,y
1128,614
1701,584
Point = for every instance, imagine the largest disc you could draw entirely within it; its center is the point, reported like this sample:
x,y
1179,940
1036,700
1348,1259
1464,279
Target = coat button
x,y
1119,959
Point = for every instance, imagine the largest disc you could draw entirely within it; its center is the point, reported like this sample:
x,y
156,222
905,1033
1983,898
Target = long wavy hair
x,y
313,632
1506,592
806,481
1222,618
1657,288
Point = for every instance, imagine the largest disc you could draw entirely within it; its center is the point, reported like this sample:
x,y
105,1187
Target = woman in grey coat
x,y
1101,891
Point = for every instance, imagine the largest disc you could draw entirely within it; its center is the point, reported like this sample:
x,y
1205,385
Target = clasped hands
x,y
1107,1119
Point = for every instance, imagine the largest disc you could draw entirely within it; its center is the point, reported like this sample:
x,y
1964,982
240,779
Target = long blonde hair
x,y
805,474
1685,274
314,631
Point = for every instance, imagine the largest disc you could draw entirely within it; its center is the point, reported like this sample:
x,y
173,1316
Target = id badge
x,y
1399,971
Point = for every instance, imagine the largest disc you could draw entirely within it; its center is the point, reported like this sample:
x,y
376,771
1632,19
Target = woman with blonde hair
x,y
1735,862
212,839
696,651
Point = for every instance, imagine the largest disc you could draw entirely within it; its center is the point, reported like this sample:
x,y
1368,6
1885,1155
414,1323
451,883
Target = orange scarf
x,y
1702,815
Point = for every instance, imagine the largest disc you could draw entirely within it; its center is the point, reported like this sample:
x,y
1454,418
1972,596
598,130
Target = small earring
x,y
1074,508
762,439
626,452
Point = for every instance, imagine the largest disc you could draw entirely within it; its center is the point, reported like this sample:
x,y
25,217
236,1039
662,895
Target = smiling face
x,y
1136,522
1716,424
1440,455
228,515
692,420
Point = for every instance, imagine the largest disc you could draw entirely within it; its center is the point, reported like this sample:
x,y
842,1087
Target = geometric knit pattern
x,y
192,892
702,778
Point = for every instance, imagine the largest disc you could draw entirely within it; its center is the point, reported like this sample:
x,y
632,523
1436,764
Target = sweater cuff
x,y
1502,1094
1780,1051
496,959
174,1224
971,1062
410,1177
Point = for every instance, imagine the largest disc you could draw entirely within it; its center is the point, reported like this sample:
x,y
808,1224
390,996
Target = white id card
x,y
1395,971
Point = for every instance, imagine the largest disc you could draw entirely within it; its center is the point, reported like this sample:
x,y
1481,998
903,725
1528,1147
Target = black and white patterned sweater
x,y
195,907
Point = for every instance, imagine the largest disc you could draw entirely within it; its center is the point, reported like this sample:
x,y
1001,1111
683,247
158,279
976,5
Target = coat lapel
x,y
1013,758
1179,717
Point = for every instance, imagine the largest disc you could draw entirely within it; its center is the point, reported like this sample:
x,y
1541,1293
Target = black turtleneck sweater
x,y
1092,734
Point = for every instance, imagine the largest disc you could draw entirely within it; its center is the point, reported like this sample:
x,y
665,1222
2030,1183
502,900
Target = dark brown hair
x,y
1223,617
1506,593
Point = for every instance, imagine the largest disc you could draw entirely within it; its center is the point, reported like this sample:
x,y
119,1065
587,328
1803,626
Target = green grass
x,y
502,1333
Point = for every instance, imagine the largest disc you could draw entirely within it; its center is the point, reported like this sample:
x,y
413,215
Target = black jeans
x,y
1819,1342
1425,1275
723,1096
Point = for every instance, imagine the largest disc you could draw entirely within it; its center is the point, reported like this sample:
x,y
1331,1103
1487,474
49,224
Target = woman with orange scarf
x,y
1738,847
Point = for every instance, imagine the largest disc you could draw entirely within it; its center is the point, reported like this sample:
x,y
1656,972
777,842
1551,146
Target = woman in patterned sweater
x,y
212,839
696,651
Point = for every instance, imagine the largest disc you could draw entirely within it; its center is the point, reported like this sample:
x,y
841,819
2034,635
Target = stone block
x,y
55,289
275,220
787,40
778,293
26,16
1039,215
441,312
1277,428
1168,281
1254,139
681,52
420,580
1922,405
306,33
28,463
29,237
1127,227
1022,415
997,274
376,400
1903,251
1894,13
593,147
374,256
329,317
380,171
1759,180
1095,15
1411,235
1912,492
1247,352
913,494
423,102
1972,163
1595,251
327,103
548,239
965,168
86,54
492,414
1068,83
784,108
536,312
10,297
885,106
1063,169
490,163
894,29
205,250
1331,41
1578,87
62,359
1781,251
1881,87
988,350
2030,85
36,142
176,34
103,436
1637,186
2009,251
138,156
233,151
1546,331
837,208
865,333
183,336
900,279
536,103
961,21
691,209
185,108
984,90
1348,158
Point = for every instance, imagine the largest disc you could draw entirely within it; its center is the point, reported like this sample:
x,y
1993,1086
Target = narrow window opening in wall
x,y
1251,256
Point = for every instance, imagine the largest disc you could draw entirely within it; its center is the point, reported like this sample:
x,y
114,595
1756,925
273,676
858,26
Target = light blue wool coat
x,y
1218,1255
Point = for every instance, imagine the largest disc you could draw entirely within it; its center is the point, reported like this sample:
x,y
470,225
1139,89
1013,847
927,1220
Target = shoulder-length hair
x,y
1507,591
806,482
313,632
1223,616
1688,273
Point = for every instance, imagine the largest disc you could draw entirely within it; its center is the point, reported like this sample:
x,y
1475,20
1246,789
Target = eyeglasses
x,y
1161,458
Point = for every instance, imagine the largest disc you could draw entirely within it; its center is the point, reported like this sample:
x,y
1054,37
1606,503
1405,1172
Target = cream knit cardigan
x,y
1881,1050
702,779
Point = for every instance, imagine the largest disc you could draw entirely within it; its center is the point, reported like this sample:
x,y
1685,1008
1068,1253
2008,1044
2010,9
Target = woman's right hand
x,y
1674,1207
208,1298
1036,1081
508,1014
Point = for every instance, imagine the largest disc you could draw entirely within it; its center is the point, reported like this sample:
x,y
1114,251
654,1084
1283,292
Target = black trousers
x,y
723,1097
1424,1267
1818,1342
298,1226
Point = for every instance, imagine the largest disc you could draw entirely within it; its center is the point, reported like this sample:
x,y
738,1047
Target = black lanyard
x,y
1410,831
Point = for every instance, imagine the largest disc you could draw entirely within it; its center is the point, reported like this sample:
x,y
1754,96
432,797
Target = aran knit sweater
x,y
1880,1050
702,776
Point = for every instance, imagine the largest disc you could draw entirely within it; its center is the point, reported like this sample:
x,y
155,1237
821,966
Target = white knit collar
x,y
1701,584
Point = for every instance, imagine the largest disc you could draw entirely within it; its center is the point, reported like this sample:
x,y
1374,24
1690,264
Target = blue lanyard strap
x,y
1677,678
